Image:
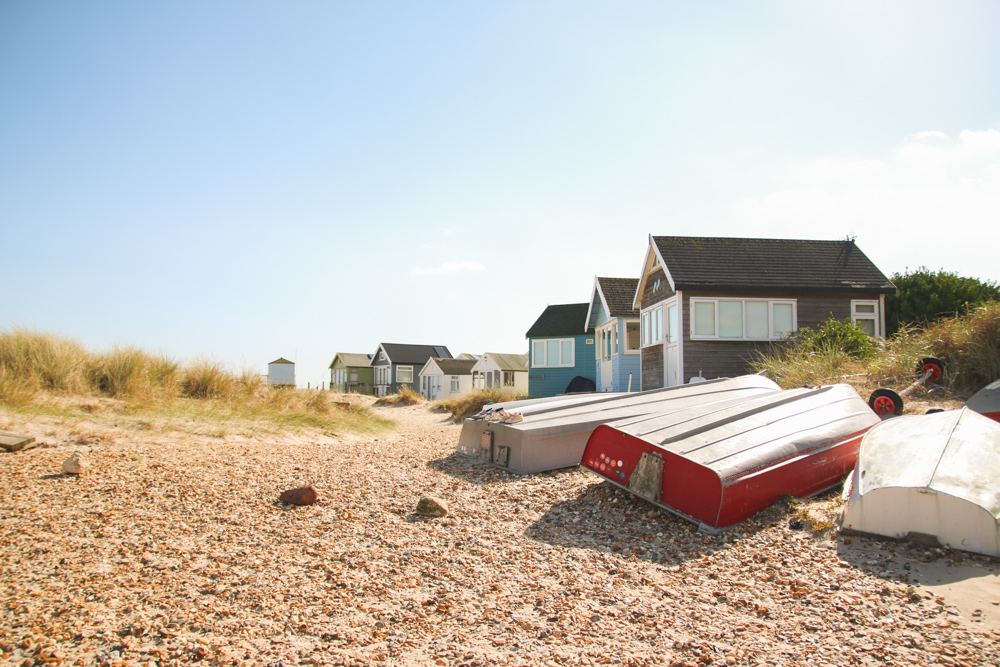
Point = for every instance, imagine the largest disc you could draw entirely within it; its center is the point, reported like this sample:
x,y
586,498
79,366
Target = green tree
x,y
923,296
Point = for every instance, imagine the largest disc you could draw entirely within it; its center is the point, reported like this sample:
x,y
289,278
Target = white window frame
x,y
633,350
401,370
454,384
607,341
874,316
543,344
770,318
651,326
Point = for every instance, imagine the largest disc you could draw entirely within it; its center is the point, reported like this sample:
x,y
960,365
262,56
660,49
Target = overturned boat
x,y
931,478
718,464
986,401
553,434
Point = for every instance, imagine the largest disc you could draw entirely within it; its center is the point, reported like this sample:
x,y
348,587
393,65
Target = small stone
x,y
76,464
306,495
431,506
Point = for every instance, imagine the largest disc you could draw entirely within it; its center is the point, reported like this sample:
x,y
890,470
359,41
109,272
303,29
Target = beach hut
x,y
931,478
281,373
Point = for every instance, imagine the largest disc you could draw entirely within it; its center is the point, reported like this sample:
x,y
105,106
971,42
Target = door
x,y
671,345
605,338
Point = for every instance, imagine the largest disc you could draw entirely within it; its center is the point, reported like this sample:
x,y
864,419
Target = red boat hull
x,y
721,464
698,493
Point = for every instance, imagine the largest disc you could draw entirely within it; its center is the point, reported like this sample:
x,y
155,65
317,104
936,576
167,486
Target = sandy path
x,y
175,550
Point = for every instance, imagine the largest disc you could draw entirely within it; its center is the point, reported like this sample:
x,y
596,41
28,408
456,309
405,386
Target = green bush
x,y
923,297
836,336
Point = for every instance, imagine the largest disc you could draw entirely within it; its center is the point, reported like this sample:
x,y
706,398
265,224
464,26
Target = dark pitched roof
x,y
455,366
757,265
401,353
566,319
619,293
281,360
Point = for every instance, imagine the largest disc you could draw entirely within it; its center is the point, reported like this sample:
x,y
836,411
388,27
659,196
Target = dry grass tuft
x,y
49,373
969,346
405,396
468,405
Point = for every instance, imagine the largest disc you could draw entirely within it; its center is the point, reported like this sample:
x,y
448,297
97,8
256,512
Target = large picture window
x,y
404,373
742,319
554,353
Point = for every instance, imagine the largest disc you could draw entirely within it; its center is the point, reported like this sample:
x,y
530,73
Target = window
x,y
742,319
554,353
454,383
354,376
381,355
865,314
508,378
404,373
652,326
607,339
632,337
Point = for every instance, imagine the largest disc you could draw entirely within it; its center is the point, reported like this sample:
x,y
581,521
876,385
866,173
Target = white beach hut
x,y
281,373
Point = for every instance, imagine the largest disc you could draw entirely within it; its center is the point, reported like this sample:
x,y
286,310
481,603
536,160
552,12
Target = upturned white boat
x,y
554,434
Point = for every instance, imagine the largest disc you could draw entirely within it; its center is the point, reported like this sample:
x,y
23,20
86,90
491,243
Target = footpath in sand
x,y
174,550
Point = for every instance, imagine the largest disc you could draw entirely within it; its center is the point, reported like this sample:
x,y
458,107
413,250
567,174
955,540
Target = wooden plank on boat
x,y
12,442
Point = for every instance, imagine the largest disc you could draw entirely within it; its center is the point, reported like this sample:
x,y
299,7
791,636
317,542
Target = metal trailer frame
x,y
554,435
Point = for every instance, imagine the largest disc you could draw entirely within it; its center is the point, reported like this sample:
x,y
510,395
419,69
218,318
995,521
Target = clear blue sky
x,y
249,180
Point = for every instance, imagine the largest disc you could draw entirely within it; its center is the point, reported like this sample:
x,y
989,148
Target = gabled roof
x,y
616,294
561,320
509,362
281,360
767,265
401,353
352,359
454,366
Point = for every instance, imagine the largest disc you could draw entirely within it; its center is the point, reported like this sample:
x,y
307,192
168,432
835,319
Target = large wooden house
x,y
616,324
562,358
708,306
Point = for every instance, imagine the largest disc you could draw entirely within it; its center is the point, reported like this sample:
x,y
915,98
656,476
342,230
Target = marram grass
x,y
49,373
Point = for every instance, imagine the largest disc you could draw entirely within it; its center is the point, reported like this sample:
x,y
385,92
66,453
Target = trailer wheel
x,y
885,402
931,365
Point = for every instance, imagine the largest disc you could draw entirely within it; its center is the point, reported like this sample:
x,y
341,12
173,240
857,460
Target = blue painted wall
x,y
626,363
621,364
553,381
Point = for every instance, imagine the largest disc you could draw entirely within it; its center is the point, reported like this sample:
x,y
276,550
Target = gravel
x,y
174,549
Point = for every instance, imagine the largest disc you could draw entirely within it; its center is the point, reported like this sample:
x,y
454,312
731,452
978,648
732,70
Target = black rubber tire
x,y
933,364
885,402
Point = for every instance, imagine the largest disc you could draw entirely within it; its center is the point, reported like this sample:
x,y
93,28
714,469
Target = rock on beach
x,y
306,495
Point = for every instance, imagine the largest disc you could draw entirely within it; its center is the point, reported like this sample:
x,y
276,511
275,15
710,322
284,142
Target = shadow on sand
x,y
609,519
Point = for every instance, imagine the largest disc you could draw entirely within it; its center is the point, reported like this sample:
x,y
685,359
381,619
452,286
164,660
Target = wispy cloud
x,y
934,201
448,267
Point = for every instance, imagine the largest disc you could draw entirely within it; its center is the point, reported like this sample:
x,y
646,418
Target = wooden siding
x,y
650,297
652,367
729,358
544,382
